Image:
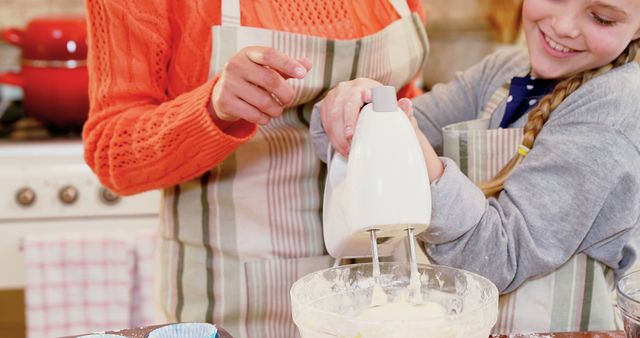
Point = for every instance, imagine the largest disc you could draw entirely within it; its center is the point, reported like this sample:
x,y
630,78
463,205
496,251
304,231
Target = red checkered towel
x,y
143,311
87,282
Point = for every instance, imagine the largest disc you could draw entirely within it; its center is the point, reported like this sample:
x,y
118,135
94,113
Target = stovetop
x,y
43,175
15,126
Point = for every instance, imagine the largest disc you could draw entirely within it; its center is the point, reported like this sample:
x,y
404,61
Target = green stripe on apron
x,y
563,295
356,59
464,156
424,40
204,199
304,116
329,53
588,294
180,268
227,243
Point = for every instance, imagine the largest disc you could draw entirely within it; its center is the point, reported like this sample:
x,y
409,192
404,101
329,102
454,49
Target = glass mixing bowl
x,y
327,303
628,300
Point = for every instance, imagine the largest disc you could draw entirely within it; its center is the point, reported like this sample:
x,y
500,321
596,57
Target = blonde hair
x,y
539,115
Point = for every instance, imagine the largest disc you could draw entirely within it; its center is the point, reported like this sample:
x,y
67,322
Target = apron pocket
x,y
575,297
268,300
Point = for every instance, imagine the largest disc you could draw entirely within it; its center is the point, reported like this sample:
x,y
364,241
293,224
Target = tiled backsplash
x,y
17,13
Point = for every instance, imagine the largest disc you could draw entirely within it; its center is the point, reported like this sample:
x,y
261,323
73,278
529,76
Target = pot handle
x,y
13,36
15,79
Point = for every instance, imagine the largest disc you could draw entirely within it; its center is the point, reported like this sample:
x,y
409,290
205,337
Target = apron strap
x,y
498,96
401,7
230,13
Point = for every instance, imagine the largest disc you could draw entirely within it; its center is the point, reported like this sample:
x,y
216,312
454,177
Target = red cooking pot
x,y
54,72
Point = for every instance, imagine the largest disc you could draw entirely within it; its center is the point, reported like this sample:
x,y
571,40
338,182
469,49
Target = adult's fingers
x,y
366,95
268,79
273,58
242,109
306,63
259,98
348,103
333,125
340,110
229,106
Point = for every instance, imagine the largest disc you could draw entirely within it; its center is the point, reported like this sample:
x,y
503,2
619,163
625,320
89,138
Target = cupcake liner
x,y
102,335
185,330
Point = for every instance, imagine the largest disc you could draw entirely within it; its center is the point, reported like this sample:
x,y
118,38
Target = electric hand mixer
x,y
381,194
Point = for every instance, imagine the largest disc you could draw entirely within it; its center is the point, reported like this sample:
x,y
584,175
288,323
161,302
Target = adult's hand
x,y
252,85
340,108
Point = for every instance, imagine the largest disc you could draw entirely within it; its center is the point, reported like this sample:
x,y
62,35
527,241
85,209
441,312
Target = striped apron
x,y
575,297
234,240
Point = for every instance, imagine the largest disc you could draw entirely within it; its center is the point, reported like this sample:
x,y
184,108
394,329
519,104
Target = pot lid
x,y
52,38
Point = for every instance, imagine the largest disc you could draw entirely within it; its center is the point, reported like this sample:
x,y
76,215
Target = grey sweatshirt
x,y
577,191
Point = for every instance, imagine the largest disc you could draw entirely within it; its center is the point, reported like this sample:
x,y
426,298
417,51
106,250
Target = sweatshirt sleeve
x,y
571,194
577,191
138,138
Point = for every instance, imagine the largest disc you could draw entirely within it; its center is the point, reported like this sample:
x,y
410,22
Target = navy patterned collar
x,y
524,93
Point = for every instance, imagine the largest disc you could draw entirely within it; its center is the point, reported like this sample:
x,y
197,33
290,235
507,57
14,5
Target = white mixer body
x,y
384,185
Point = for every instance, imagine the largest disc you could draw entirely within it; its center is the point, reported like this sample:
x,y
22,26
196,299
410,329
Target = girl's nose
x,y
564,25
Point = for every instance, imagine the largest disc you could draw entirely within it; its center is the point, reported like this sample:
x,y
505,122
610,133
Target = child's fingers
x,y
407,106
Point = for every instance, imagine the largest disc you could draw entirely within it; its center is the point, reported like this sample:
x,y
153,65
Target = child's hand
x,y
407,106
434,165
340,108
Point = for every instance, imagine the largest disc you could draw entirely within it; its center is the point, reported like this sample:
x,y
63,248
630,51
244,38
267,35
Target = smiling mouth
x,y
557,46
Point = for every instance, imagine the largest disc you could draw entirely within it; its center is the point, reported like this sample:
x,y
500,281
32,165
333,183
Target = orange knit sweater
x,y
149,126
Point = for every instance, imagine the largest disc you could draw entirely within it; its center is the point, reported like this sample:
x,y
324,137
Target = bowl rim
x,y
481,308
621,294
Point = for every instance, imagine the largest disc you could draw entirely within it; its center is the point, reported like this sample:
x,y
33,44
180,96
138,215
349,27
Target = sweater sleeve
x,y
138,138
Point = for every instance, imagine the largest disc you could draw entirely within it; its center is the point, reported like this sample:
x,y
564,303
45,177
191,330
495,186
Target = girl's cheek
x,y
601,41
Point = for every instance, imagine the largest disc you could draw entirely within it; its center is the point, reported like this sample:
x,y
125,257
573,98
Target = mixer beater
x,y
375,257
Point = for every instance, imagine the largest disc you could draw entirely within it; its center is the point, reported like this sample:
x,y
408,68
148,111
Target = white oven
x,y
45,186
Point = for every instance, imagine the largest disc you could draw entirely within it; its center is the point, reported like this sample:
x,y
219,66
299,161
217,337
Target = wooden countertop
x,y
142,332
608,334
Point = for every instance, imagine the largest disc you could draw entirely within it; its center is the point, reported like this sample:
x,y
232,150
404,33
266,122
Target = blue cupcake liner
x,y
185,330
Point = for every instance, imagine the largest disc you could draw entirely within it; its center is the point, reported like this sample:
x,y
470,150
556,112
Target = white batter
x,y
417,309
403,311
